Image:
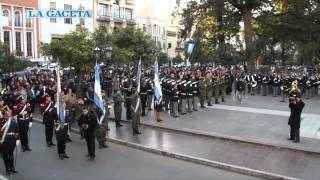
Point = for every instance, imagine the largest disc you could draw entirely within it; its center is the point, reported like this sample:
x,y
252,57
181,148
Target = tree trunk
x,y
248,36
221,35
283,53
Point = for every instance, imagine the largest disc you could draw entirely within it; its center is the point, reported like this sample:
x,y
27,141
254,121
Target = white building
x,y
51,28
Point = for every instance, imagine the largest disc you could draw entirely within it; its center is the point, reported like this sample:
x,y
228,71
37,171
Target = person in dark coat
x,y
296,105
9,140
88,122
49,116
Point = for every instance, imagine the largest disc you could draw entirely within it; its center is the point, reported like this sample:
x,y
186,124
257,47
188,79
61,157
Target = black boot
x,y
27,148
13,170
61,156
8,172
65,156
217,102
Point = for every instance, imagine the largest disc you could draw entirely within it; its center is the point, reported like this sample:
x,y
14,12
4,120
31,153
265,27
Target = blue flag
x,y
157,86
60,104
97,93
139,75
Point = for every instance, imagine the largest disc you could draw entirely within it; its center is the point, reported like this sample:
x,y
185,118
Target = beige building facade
x,y
114,14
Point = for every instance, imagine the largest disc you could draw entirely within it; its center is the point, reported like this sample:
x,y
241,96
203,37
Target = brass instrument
x,y
294,91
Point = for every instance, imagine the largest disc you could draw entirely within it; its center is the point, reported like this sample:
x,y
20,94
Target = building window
x,y
28,20
128,14
116,11
6,38
6,16
17,19
29,44
144,28
53,6
18,44
116,2
104,10
68,20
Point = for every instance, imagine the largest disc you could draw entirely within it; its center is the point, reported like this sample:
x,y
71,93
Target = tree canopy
x,y
270,31
76,48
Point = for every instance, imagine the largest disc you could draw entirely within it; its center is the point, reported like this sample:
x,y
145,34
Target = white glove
x,y
30,124
17,142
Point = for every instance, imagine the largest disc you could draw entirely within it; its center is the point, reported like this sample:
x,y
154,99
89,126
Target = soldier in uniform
x,y
136,111
195,93
61,131
183,96
88,122
175,99
143,96
189,95
101,131
127,84
308,85
49,116
284,87
202,91
217,86
149,94
9,139
117,100
24,117
265,84
296,105
209,88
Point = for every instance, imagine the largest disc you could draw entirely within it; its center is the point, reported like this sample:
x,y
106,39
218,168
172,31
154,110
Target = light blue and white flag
x,y
60,104
97,93
139,75
190,48
157,86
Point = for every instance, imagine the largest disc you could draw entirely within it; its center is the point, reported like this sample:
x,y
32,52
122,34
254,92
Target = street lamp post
x,y
109,53
96,51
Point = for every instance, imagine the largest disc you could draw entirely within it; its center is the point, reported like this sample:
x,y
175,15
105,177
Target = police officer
x,y
24,117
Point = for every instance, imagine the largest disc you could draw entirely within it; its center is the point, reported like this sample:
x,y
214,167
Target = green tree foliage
x,y
10,63
76,48
285,31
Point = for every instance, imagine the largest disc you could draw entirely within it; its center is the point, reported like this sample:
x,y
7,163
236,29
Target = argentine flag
x,y
157,86
139,76
60,104
97,93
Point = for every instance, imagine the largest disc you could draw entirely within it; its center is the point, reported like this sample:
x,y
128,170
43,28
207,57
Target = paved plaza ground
x,y
252,135
115,162
259,119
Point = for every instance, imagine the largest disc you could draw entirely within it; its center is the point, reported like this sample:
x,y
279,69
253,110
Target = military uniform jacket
x,y
49,113
23,112
117,100
295,116
134,100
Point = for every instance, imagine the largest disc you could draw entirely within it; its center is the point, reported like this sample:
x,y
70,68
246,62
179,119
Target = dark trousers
x,y
117,116
144,103
90,144
49,132
23,131
295,134
128,110
8,147
61,140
